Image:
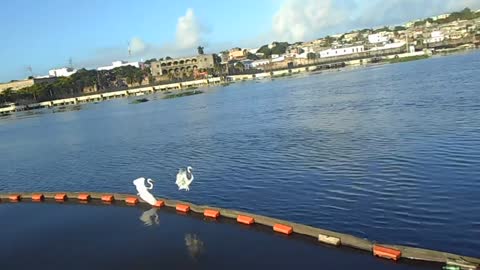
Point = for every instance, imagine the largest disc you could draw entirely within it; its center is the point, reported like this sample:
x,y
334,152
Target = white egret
x,y
142,190
184,178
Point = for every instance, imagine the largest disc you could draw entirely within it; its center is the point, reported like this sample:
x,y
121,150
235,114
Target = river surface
x,y
389,153
73,236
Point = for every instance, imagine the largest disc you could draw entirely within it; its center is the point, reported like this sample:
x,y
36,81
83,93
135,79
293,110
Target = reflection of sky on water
x,y
87,236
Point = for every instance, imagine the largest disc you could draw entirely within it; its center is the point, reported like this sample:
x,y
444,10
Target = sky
x,y
45,34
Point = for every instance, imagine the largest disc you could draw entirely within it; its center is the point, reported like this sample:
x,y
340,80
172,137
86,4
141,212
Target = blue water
x,y
389,153
66,236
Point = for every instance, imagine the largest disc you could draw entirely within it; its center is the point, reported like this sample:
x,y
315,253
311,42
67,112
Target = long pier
x,y
385,250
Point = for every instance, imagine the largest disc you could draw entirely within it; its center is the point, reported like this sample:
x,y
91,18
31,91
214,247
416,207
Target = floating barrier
x,y
283,229
160,203
37,197
131,200
182,208
329,240
107,198
387,253
14,197
84,197
60,197
211,213
394,252
245,220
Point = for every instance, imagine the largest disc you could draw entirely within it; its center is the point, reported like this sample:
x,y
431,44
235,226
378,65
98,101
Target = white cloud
x,y
297,20
189,31
379,12
300,20
137,46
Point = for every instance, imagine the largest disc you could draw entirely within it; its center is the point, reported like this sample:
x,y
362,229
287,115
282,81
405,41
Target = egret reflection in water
x,y
150,217
194,245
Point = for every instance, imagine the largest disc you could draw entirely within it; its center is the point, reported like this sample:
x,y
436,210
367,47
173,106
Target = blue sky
x,y
46,33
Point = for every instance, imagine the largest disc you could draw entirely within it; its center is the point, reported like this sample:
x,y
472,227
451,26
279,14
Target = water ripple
x,y
390,153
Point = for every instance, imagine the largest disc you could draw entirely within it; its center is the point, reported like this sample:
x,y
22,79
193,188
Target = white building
x,y
117,64
435,36
381,37
247,63
258,63
61,72
439,17
394,45
342,51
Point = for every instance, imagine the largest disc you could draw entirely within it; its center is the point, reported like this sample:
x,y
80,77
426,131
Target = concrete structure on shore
x,y
161,70
17,85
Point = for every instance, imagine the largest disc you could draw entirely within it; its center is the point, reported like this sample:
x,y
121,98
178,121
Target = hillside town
x,y
442,33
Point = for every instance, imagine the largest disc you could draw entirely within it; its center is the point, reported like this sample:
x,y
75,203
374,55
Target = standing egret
x,y
184,178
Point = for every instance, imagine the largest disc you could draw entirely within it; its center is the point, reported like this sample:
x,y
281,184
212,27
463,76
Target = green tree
x,y
200,50
280,48
150,61
311,56
252,56
329,40
7,95
265,50
239,66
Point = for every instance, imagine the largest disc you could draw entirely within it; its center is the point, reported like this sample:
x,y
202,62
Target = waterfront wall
x,y
332,62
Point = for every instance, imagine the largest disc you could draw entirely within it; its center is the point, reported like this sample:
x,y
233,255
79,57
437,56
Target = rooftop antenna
x,y
29,69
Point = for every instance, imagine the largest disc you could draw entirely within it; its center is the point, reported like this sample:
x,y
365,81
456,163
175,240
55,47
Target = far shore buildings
x,y
237,54
181,67
435,36
62,72
341,51
382,37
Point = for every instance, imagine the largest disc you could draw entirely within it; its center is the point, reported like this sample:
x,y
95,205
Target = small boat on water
x,y
141,100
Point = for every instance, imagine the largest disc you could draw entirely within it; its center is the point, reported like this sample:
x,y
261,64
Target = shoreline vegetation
x,y
189,88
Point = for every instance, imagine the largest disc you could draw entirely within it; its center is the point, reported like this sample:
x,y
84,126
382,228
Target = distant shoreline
x,y
226,80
